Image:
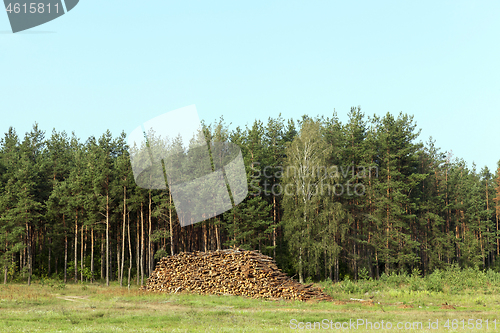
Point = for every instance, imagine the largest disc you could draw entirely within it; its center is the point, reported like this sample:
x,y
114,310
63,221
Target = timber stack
x,y
229,272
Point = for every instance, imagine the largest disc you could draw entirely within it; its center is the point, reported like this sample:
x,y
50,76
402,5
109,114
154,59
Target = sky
x,y
115,65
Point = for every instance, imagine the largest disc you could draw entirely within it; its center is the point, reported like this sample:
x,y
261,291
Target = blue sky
x,y
110,64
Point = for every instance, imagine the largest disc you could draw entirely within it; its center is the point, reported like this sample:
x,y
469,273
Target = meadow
x,y
453,300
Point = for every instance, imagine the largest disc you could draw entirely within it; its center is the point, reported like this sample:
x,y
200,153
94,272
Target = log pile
x,y
229,272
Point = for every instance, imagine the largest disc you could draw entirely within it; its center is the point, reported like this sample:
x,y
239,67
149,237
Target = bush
x,y
350,287
394,280
493,277
434,281
160,254
416,281
363,274
451,280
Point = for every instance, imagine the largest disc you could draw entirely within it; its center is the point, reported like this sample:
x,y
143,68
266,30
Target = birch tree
x,y
304,184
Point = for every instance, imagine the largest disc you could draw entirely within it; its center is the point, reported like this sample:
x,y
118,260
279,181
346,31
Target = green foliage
x,y
87,274
350,287
415,281
394,279
159,234
248,223
161,253
447,282
435,282
419,207
304,180
363,274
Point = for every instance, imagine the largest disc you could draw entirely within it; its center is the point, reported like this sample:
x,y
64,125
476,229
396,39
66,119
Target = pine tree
x,y
27,188
102,183
74,193
275,144
352,159
123,183
436,241
398,177
12,230
487,214
58,158
247,224
497,209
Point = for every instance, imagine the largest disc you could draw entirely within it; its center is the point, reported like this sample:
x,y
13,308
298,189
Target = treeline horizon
x,y
364,199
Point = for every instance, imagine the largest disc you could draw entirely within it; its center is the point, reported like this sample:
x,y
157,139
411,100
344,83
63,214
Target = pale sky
x,y
115,65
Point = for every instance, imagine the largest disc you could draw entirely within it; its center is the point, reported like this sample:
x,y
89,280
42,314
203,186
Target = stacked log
x,y
229,272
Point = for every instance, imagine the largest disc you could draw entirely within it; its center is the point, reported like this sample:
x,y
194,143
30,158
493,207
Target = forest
x,y
327,200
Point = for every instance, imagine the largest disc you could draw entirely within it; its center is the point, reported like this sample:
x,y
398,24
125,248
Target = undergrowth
x,y
452,280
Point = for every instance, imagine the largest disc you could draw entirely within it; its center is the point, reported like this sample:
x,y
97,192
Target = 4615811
x,y
33,8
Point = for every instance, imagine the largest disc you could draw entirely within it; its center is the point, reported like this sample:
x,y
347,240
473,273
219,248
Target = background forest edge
x,y
72,209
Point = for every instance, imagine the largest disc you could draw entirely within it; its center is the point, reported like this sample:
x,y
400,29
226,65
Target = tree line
x,y
325,199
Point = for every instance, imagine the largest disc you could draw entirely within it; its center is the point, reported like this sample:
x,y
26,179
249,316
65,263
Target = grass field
x,y
56,307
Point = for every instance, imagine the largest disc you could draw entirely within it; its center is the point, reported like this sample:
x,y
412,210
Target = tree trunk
x,y
81,256
107,239
29,249
150,250
50,255
171,226
217,236
76,247
111,270
65,251
129,251
498,239
92,255
138,238
118,259
274,228
205,236
336,269
123,233
387,267
142,246
326,265
102,256
301,277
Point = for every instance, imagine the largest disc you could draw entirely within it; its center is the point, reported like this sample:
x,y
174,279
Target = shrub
x,y
416,282
434,281
493,277
350,287
363,274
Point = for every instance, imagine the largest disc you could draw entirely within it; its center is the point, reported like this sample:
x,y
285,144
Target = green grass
x,y
55,307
